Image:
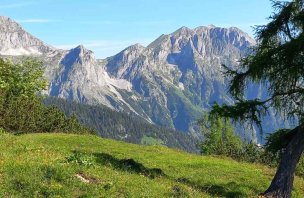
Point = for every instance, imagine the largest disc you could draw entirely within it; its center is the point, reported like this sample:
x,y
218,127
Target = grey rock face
x,y
82,78
180,74
74,74
15,41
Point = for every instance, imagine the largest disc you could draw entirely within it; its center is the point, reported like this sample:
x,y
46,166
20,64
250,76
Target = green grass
x,y
52,165
147,140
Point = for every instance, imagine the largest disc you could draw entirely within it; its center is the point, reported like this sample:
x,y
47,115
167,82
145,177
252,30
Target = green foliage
x,y
29,115
21,110
300,167
216,143
2,131
80,158
277,141
220,138
242,111
21,79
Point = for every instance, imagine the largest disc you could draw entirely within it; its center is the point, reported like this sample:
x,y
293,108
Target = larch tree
x,y
277,62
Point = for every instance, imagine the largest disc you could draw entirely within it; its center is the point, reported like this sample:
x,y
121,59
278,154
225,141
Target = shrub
x,y
21,109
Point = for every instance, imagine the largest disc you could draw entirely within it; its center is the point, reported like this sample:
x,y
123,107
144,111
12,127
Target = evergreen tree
x,y
278,63
220,137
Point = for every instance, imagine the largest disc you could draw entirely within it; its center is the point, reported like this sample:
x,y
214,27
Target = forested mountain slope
x,y
127,127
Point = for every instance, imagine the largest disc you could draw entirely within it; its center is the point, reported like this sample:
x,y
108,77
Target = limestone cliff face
x,y
82,78
73,74
15,40
180,74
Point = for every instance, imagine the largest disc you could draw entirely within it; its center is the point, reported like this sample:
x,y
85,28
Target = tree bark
x,y
282,183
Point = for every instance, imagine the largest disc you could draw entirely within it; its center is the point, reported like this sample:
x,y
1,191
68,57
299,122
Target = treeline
x,y
21,109
122,126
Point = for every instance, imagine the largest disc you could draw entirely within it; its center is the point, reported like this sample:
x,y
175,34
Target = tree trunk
x,y
282,183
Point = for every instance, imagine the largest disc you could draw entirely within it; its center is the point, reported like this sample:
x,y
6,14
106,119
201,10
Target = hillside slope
x,y
122,126
61,165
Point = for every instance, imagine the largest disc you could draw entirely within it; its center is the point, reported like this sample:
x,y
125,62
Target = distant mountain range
x,y
169,83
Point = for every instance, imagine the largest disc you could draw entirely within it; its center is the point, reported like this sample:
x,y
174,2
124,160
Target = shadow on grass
x,y
230,189
223,190
129,165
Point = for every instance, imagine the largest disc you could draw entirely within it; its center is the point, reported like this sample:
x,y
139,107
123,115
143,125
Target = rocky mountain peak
x,y
3,18
242,34
79,55
82,51
81,47
201,37
228,34
8,25
15,41
135,47
211,26
183,31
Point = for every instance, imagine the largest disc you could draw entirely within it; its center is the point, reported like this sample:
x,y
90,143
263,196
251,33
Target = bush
x,y
21,109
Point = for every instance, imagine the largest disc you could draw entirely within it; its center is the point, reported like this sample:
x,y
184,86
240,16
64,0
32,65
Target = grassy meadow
x,y
66,165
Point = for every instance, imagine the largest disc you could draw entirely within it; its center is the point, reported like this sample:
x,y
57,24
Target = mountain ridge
x,y
170,82
11,44
173,60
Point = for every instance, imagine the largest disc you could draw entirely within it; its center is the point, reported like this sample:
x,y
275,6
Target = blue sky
x,y
108,26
